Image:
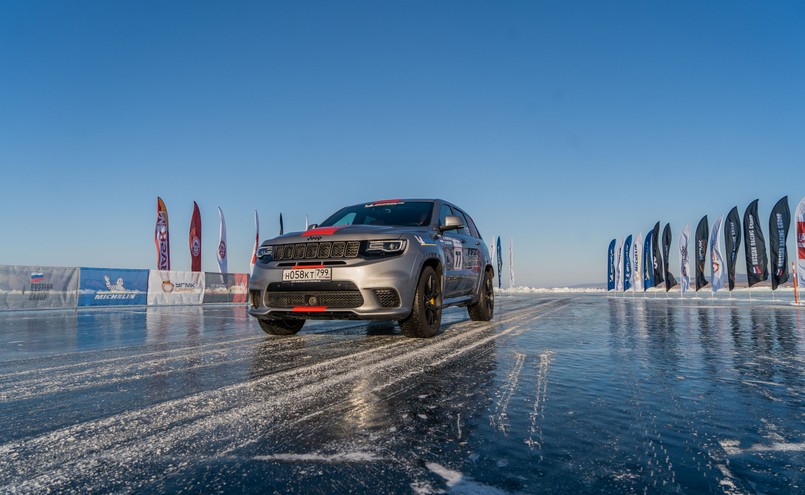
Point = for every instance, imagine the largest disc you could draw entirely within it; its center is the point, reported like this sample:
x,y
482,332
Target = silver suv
x,y
401,260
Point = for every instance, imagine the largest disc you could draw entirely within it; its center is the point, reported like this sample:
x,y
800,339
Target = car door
x,y
470,248
452,247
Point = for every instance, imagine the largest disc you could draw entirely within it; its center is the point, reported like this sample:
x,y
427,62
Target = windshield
x,y
399,214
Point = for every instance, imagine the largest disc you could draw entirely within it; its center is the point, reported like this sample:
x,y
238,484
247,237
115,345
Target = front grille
x,y
330,299
317,250
388,298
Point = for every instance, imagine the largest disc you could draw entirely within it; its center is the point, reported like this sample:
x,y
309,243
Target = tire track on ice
x,y
215,418
498,419
534,440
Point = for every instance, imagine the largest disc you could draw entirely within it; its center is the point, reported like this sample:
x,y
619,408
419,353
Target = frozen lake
x,y
559,394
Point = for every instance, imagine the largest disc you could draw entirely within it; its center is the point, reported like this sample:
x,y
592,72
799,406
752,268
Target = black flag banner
x,y
754,247
779,221
656,256
732,241
701,252
670,281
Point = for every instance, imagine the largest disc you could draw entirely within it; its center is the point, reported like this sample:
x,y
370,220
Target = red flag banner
x,y
195,239
161,237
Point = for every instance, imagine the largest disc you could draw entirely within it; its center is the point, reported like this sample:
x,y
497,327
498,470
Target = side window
x,y
444,213
466,230
471,225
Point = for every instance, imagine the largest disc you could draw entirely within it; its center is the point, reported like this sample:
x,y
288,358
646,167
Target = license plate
x,y
307,275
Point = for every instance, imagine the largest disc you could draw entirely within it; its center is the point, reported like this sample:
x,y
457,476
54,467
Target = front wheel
x,y
485,307
281,327
426,314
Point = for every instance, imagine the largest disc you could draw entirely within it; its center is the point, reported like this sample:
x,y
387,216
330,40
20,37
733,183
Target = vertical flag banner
x,y
648,266
701,252
627,264
754,247
161,237
256,243
670,281
619,267
732,242
799,224
195,239
306,223
282,228
684,265
500,264
637,264
779,221
656,255
511,262
611,266
716,258
221,254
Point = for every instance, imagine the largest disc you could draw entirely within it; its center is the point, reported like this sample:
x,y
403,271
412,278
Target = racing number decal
x,y
458,259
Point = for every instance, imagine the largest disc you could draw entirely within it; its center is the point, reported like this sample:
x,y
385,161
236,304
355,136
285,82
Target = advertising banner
x,y
195,239
757,269
610,266
637,263
701,252
38,287
225,287
670,281
221,252
173,287
648,266
113,287
732,241
779,222
627,263
656,256
684,266
161,237
716,257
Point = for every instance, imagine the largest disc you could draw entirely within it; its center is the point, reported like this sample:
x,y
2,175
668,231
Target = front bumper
x,y
366,289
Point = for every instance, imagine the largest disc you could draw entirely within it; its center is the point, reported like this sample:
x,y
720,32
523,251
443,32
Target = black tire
x,y
426,313
281,327
484,309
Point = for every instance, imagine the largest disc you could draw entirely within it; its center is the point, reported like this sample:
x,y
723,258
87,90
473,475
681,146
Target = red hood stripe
x,y
321,231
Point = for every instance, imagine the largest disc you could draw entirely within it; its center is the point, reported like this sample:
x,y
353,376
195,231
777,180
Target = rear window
x,y
398,214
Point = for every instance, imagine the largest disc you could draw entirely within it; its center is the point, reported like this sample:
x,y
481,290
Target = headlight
x,y
394,246
265,252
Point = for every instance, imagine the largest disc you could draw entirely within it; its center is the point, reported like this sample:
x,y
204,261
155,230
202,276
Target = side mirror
x,y
451,222
312,226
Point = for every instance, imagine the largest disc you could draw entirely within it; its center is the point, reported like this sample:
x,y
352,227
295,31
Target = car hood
x,y
348,233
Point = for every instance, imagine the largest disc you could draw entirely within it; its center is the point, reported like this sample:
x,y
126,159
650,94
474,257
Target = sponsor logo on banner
x,y
196,246
801,239
112,287
39,289
222,250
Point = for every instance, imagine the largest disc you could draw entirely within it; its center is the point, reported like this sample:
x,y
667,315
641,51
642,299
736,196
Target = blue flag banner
x,y
627,264
113,287
648,266
611,266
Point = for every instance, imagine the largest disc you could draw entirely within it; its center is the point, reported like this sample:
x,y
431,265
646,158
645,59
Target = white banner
x,y
684,264
172,287
38,287
221,253
799,222
619,267
637,262
716,258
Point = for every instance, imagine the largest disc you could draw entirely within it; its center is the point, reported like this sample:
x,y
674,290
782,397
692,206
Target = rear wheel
x,y
485,307
281,327
426,314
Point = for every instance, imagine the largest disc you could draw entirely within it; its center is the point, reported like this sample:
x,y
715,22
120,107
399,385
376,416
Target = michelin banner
x,y
173,287
113,287
225,287
38,287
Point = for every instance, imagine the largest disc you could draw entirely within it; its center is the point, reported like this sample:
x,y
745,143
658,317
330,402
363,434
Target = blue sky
x,y
558,124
